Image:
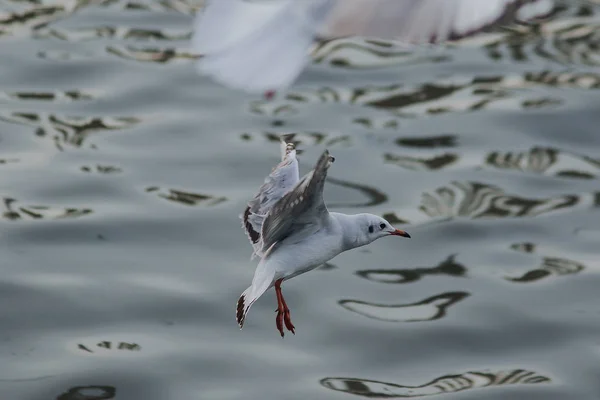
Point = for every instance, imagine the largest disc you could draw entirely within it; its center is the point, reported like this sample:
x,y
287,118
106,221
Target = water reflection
x,y
327,267
548,160
34,16
8,160
33,19
442,385
393,219
15,212
428,142
550,266
109,345
571,36
315,139
68,131
359,53
102,169
480,200
452,94
374,196
188,7
305,138
430,309
26,16
447,267
58,55
54,96
89,393
186,198
155,55
539,160
117,33
432,163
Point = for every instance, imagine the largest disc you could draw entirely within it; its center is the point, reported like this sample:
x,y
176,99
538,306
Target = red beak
x,y
399,232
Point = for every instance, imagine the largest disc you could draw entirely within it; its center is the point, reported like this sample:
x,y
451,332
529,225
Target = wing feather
x,y
421,21
301,209
260,45
281,180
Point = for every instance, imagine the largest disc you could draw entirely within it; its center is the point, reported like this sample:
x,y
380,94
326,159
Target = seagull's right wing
x,y
425,21
301,211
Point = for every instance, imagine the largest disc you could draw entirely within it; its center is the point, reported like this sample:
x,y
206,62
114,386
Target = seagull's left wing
x,y
281,180
301,211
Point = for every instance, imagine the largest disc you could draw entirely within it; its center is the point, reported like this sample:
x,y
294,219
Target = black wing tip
x,y
326,159
254,236
240,314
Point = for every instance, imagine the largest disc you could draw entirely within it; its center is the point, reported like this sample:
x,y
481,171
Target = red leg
x,y
279,318
286,317
283,312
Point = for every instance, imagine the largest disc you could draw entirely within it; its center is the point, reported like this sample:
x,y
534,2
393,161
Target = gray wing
x,y
301,211
281,180
419,21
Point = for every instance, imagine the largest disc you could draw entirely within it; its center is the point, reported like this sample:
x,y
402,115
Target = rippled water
x,y
123,174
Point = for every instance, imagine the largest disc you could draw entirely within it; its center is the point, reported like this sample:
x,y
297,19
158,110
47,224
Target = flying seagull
x,y
262,45
292,232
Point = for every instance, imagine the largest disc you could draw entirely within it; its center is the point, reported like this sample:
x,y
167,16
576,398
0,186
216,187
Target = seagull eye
x,y
382,226
371,229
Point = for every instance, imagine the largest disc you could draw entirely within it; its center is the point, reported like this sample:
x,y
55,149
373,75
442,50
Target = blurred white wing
x,y
256,45
224,23
420,21
260,45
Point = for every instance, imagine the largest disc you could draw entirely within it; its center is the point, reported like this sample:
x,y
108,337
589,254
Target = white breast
x,y
292,259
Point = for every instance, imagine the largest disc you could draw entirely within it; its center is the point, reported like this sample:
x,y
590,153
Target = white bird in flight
x,y
262,45
292,232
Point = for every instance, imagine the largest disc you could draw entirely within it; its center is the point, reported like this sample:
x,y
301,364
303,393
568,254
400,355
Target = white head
x,y
367,228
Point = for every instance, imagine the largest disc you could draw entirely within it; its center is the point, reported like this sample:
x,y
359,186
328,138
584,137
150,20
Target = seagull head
x,y
374,227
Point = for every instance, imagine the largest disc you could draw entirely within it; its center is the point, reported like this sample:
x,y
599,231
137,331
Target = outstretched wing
x,y
419,21
301,211
281,180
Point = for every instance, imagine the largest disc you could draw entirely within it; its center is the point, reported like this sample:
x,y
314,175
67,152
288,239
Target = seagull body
x,y
262,45
292,232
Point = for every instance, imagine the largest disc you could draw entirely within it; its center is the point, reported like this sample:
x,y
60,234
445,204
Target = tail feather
x,y
248,297
243,305
263,279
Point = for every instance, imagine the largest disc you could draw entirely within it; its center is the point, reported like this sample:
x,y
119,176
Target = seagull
x,y
263,45
292,232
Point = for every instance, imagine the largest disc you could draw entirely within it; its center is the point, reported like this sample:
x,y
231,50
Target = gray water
x,y
122,175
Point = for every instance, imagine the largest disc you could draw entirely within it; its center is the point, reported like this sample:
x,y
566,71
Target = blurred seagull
x,y
292,232
262,45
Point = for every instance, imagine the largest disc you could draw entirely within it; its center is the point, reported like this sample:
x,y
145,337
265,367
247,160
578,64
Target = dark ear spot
x,y
382,226
371,229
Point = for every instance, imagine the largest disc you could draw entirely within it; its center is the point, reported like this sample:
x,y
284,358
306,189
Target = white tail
x,y
263,279
243,306
253,46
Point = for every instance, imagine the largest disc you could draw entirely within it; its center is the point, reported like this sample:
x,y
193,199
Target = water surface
x,y
122,174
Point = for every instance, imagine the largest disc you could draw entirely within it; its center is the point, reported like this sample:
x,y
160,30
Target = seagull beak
x,y
399,232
